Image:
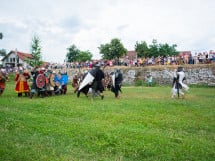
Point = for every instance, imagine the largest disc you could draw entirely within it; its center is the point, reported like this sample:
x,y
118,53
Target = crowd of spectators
x,y
197,58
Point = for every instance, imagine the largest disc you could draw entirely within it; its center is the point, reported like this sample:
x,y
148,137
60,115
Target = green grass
x,y
144,124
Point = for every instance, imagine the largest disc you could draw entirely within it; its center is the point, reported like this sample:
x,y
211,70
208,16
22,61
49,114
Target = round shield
x,y
51,80
40,81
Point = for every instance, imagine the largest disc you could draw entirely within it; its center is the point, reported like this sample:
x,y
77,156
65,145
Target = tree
x,y
117,48
142,49
72,54
113,50
153,49
3,52
166,50
84,56
105,51
1,35
36,52
173,50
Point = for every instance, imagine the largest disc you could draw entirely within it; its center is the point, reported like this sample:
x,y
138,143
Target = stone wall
x,y
163,75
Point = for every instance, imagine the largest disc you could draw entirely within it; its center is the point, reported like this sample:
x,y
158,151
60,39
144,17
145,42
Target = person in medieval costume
x,y
34,74
117,79
2,82
108,81
38,82
21,82
42,85
64,82
98,82
178,86
50,82
58,83
94,78
75,83
86,88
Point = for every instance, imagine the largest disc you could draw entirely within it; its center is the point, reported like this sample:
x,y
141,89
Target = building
x,y
16,58
131,55
185,53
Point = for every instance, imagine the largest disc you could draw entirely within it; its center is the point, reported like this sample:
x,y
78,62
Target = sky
x,y
89,23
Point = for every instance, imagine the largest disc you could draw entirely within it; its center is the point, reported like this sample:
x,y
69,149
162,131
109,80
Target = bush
x,y
201,86
139,82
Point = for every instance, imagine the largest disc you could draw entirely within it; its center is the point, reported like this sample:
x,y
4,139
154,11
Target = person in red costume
x,y
21,82
2,82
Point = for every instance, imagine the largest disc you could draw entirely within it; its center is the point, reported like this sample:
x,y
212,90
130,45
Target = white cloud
x,y
87,24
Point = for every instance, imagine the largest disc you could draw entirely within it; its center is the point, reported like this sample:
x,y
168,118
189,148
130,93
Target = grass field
x,y
144,124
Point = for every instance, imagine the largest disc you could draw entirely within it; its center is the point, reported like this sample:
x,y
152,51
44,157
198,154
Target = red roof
x,y
23,56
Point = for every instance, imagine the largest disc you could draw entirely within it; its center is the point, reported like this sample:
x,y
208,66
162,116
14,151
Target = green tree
x,y
105,51
3,52
36,52
113,50
84,56
166,49
154,49
1,35
117,48
72,54
142,49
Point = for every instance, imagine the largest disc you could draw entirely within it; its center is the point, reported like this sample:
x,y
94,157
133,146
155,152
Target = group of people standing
x,y
43,82
47,82
95,81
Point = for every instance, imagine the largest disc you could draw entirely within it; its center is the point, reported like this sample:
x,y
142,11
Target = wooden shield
x,y
40,81
51,79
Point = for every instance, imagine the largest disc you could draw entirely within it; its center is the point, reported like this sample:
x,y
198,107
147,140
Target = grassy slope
x,y
145,124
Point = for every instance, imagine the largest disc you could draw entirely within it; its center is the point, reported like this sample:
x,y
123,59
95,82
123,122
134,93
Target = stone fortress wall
x,y
201,74
163,75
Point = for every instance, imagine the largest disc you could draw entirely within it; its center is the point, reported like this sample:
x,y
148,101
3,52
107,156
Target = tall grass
x,y
144,124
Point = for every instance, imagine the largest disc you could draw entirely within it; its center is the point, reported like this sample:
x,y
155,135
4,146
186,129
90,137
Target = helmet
x,y
97,65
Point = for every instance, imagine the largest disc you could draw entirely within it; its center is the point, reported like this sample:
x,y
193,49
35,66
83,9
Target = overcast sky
x,y
89,23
